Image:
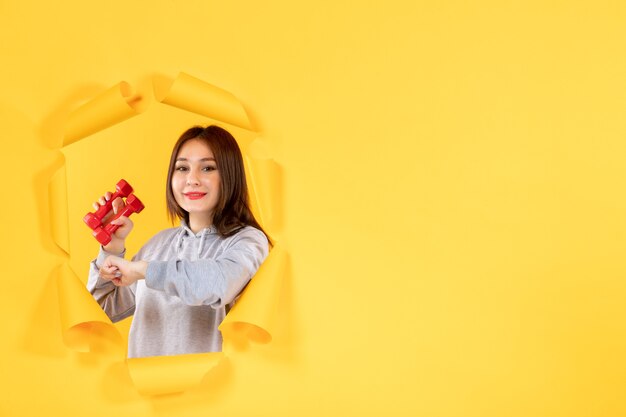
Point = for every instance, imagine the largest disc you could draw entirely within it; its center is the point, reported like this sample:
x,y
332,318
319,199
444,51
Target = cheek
x,y
216,186
176,184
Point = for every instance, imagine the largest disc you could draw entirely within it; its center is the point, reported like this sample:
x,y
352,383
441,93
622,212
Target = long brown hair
x,y
233,207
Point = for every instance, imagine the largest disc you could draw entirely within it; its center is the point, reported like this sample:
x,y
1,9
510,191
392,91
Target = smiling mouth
x,y
194,196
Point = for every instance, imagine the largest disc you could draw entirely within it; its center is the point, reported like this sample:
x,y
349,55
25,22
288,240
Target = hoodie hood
x,y
185,231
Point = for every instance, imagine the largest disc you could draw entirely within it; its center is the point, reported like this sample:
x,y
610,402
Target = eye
x,y
209,168
181,168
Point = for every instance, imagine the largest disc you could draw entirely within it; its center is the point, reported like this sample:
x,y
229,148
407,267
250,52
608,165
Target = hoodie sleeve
x,y
117,302
214,282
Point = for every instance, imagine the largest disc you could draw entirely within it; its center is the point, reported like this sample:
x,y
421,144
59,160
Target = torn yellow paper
x,y
254,315
158,375
57,193
189,93
265,178
112,106
85,327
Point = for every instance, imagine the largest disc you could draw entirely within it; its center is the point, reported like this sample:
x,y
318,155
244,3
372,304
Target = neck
x,y
197,223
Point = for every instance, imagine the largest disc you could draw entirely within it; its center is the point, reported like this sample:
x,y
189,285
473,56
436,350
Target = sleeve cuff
x,y
102,255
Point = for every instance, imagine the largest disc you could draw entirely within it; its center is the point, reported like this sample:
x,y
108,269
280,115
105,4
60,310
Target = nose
x,y
192,178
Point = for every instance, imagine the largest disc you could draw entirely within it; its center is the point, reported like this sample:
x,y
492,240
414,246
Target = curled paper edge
x,y
157,375
107,109
82,319
197,96
266,181
255,320
59,218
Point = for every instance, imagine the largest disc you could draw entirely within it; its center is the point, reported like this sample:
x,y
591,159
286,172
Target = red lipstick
x,y
194,196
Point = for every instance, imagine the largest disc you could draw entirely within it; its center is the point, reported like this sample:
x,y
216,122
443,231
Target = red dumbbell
x,y
94,220
103,233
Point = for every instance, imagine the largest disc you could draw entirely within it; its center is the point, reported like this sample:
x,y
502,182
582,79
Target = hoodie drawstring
x,y
202,239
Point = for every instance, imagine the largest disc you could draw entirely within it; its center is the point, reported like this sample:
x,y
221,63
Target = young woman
x,y
184,280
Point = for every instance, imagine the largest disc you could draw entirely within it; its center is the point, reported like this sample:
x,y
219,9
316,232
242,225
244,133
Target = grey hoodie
x,y
191,282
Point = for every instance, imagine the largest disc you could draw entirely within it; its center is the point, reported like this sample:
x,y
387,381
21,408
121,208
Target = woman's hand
x,y
122,272
118,237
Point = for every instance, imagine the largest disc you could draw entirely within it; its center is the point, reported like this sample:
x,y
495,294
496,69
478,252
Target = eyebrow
x,y
200,160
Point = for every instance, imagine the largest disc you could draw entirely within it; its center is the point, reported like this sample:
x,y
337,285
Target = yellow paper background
x,y
452,201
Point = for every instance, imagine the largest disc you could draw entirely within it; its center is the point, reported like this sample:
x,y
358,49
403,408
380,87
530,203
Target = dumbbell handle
x,y
133,205
123,189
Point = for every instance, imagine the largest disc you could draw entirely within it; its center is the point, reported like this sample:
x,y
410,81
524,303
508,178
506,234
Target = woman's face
x,y
196,181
